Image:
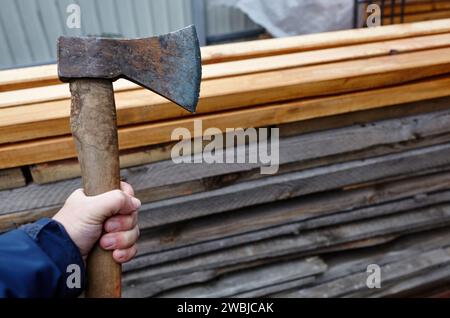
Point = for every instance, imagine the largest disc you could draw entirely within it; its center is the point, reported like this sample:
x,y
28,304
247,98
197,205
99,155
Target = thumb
x,y
113,202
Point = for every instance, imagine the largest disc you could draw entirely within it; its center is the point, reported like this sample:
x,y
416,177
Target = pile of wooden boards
x,y
413,10
364,176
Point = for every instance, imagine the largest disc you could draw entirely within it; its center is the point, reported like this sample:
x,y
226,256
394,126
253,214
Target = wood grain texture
x,y
11,178
47,75
291,185
131,137
51,119
308,241
250,66
93,122
247,225
252,280
166,174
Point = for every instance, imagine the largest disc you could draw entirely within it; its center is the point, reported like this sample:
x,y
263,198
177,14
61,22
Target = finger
x,y
115,202
125,255
121,222
120,240
127,188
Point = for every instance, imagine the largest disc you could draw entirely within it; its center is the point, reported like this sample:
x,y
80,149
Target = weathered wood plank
x,y
355,285
296,215
11,178
292,185
253,279
308,241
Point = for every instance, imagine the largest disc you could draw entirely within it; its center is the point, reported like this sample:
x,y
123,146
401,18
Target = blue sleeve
x,y
40,260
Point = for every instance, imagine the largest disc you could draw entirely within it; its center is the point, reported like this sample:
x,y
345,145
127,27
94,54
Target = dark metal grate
x,y
358,4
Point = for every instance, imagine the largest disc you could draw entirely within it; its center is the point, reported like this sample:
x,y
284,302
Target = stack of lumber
x,y
414,10
364,177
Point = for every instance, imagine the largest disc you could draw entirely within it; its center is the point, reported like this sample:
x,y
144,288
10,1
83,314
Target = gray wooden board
x,y
343,263
266,291
297,227
292,185
347,205
435,277
402,223
253,279
166,176
356,284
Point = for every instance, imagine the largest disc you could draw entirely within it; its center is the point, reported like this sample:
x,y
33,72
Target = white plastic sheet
x,y
292,17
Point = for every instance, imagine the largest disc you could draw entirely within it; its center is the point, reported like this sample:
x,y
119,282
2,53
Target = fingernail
x,y
112,226
136,203
120,254
109,242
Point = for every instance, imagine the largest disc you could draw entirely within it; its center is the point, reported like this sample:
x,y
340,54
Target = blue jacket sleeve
x,y
40,260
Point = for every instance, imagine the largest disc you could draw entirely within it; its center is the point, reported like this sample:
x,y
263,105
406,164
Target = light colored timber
x,y
47,74
137,106
250,66
226,52
58,148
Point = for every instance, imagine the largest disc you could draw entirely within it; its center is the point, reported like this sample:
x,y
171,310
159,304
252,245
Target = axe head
x,y
169,65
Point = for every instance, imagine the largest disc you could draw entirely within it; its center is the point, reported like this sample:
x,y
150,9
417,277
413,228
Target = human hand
x,y
84,219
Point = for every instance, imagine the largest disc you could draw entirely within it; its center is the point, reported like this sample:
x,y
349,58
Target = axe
x,y
169,65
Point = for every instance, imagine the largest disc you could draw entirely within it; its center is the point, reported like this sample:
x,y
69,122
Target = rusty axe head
x,y
169,65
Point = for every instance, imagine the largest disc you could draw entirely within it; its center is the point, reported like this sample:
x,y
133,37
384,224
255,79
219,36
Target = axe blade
x,y
169,65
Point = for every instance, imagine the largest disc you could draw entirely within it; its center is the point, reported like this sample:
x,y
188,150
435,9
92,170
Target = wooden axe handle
x,y
94,128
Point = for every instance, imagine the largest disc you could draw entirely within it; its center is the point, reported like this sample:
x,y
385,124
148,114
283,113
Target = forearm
x,y
40,260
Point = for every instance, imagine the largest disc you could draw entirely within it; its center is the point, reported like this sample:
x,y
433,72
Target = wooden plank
x,y
295,184
341,264
356,284
307,242
46,75
296,215
11,178
226,52
52,118
141,288
413,284
26,153
418,126
167,173
170,252
252,279
70,168
256,65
